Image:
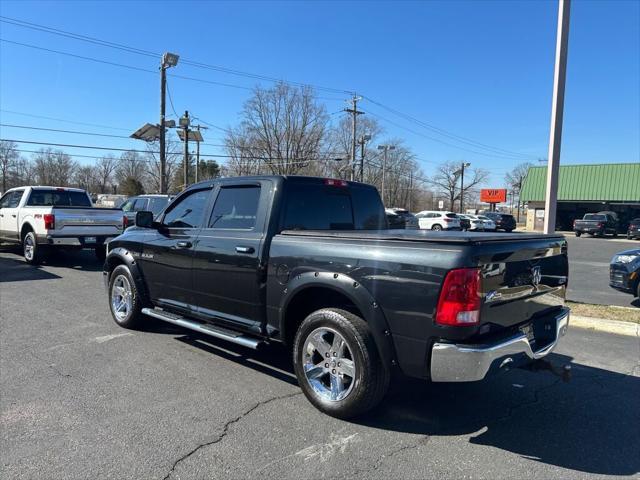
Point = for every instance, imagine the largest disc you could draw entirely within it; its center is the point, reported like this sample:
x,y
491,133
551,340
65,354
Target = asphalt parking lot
x,y
589,259
83,398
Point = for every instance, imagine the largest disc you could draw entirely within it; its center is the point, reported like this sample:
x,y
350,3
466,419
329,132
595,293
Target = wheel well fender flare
x,y
358,295
122,256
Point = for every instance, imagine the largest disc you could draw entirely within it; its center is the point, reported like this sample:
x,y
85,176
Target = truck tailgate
x,y
87,221
522,280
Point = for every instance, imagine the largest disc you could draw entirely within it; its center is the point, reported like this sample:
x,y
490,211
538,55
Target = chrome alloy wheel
x,y
121,298
29,247
328,364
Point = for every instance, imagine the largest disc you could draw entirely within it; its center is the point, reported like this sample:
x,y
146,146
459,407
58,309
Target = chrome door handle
x,y
245,249
183,244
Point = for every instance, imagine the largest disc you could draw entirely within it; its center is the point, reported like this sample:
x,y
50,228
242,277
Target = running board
x,y
213,331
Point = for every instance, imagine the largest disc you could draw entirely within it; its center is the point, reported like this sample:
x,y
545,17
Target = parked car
x,y
394,220
471,222
151,203
437,220
308,262
503,221
465,222
624,272
45,218
634,229
410,221
596,224
488,224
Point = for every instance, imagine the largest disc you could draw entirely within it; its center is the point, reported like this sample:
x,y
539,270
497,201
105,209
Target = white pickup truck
x,y
43,218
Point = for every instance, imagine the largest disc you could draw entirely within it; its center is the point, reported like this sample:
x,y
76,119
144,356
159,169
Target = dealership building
x,y
584,189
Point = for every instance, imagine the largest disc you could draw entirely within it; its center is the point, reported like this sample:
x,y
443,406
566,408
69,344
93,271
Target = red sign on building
x,y
493,195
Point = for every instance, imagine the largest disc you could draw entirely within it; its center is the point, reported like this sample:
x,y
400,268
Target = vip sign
x,y
493,195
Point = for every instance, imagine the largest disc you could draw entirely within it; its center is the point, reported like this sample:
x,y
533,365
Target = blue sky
x,y
482,70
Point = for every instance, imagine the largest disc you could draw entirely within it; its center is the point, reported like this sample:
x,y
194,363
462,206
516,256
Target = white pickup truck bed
x,y
41,218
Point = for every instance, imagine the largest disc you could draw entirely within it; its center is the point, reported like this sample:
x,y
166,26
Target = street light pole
x,y
557,111
363,141
168,60
163,161
464,165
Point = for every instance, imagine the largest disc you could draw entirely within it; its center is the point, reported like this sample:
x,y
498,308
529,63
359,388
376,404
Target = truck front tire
x,y
125,303
337,363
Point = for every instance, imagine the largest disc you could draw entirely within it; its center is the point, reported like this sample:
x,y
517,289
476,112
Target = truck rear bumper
x,y
468,363
79,241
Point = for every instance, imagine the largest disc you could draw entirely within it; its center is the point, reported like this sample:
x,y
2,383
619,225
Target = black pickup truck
x,y
311,263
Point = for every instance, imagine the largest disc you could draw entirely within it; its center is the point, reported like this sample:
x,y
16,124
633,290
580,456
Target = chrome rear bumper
x,y
468,363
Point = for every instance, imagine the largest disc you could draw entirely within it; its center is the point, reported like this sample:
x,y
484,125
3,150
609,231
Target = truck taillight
x,y
125,222
600,225
49,221
459,301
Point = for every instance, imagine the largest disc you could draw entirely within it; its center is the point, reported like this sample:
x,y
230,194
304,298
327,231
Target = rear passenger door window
x,y
236,208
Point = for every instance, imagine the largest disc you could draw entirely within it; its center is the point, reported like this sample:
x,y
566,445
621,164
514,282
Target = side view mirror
x,y
144,219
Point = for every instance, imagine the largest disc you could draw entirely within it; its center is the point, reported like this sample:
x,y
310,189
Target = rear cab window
x,y
316,206
58,198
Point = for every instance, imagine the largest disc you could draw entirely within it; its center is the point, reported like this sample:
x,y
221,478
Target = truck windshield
x,y
58,198
319,207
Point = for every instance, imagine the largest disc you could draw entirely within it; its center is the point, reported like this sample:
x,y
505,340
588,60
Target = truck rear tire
x,y
125,303
578,234
33,253
337,363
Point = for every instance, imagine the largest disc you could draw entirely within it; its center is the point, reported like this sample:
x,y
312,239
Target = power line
x,y
105,43
184,77
114,149
134,50
494,155
445,133
63,120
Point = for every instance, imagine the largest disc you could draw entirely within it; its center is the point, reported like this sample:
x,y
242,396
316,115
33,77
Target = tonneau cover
x,y
422,235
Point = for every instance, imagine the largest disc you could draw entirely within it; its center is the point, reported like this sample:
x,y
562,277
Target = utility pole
x,y
354,112
168,60
385,149
184,123
198,140
557,111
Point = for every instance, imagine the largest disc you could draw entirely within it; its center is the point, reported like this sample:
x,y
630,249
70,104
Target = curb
x,y
617,327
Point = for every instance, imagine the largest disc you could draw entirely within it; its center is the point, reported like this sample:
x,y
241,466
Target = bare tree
x,y
54,167
131,166
515,179
282,127
173,159
447,180
105,168
8,159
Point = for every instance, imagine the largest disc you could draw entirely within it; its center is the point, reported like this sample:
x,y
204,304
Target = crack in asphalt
x,y
423,440
225,429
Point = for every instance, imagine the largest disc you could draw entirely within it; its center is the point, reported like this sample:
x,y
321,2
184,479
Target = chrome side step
x,y
211,330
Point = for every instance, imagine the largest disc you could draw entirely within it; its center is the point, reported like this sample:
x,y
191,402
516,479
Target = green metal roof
x,y
600,182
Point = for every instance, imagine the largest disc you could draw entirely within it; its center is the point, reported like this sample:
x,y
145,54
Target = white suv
x,y
435,220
